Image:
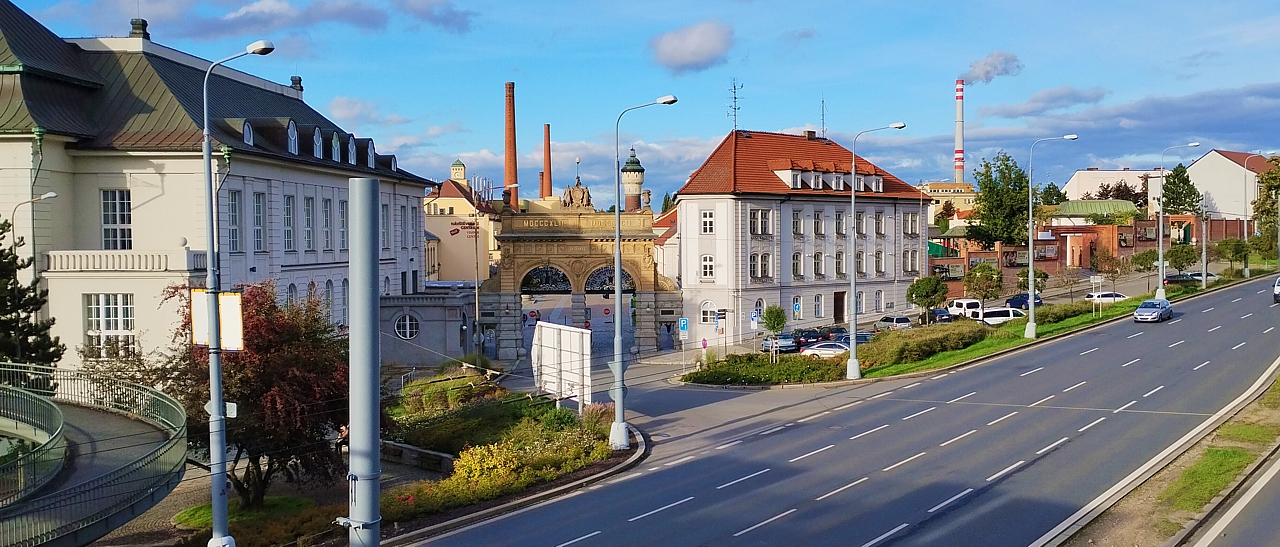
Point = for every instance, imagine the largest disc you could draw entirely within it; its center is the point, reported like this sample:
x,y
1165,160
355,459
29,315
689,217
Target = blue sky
x,y
424,78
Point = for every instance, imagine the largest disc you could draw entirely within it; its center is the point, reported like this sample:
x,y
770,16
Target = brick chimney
x,y
139,29
509,178
295,82
545,186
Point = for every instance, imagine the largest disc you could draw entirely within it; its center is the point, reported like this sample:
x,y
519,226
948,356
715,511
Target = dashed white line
x,y
727,445
1131,362
663,508
774,430
766,521
679,461
1215,328
919,413
798,458
842,407
868,432
1088,351
1197,367
818,415
959,437
1000,419
1269,329
1052,446
841,489
1152,392
572,541
1091,424
1176,343
1134,335
1175,320
940,376
910,386
885,535
1005,470
1274,305
949,500
1131,403
1237,300
625,477
1261,291
962,397
1032,371
1040,401
903,462
1245,315
1075,386
733,482
1208,310
880,395
1237,346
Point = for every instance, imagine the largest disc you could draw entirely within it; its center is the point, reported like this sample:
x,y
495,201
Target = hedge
x,y
909,345
755,369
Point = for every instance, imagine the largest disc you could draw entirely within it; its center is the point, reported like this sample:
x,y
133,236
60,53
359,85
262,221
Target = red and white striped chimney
x,y
959,131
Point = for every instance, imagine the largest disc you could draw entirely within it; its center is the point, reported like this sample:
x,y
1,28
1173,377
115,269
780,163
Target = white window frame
x,y
817,223
317,144
708,222
328,298
879,224
817,305
754,216
818,264
343,220
335,148
326,216
766,265
293,138
707,313
259,221
371,155
707,268
754,265
860,262
797,265
290,244
840,263
797,223
117,219
386,226
233,221
110,317
309,223
351,150
346,300
879,262
246,131
404,227
839,223
860,223
407,327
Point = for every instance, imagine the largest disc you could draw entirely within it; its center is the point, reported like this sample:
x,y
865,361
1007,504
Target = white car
x,y
1275,292
1105,297
825,350
998,316
965,307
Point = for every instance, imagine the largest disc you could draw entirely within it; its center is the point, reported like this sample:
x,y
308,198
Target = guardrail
x,y
81,513
24,475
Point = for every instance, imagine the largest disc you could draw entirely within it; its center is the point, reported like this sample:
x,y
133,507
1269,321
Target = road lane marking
x,y
1005,470
766,521
1245,315
885,535
1131,362
1152,392
919,413
841,489
733,482
1086,352
1131,403
1134,335
818,415
774,430
625,477
679,461
1031,371
903,462
727,445
1237,346
910,386
663,508
842,407
1175,320
958,438
1040,401
881,395
1274,305
1208,310
1237,300
798,458
1261,291
1075,386
1269,329
1215,328
1091,424
1176,343
940,376
1052,446
869,432
1000,419
572,541
1197,367
950,499
961,397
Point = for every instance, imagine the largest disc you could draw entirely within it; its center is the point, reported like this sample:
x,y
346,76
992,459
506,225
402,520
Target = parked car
x,y
825,350
863,337
1105,297
965,307
1020,301
893,322
1154,310
998,316
941,315
1209,276
783,343
830,333
805,337
1275,292
1181,279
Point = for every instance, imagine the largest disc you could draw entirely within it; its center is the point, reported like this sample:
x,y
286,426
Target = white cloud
x,y
1045,100
406,144
693,48
439,13
358,112
997,63
182,18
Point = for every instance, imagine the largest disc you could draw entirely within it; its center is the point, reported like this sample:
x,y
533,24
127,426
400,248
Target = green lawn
x,y
201,516
1249,433
1206,478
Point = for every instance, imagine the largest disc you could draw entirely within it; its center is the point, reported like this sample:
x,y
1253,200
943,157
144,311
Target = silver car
x,y
1153,311
825,350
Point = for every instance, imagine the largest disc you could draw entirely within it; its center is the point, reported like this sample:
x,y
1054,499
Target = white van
x,y
965,307
997,316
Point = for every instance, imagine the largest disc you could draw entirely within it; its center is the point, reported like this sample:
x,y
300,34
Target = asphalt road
x,y
993,455
1249,519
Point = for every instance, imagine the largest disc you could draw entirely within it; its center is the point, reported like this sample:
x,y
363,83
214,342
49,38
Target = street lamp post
x,y
217,423
1245,231
618,437
853,370
14,239
1160,216
1030,331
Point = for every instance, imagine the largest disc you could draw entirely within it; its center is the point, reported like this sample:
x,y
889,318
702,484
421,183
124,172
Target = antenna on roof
x,y
824,116
733,106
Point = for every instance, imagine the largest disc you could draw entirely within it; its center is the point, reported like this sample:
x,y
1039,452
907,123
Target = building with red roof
x,y
1229,181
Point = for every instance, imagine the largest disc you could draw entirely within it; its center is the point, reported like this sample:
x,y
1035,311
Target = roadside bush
x,y
755,369
1232,273
598,417
1052,313
498,462
905,346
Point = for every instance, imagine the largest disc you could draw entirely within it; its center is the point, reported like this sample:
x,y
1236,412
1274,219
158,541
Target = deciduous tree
x,y
928,293
945,212
983,281
1233,250
1264,208
1000,211
1068,277
1183,256
1145,262
1042,279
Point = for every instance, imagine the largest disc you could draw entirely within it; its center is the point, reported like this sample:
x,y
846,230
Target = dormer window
x,y
293,138
816,181
247,130
394,166
795,180
372,156
317,145
351,150
336,145
838,182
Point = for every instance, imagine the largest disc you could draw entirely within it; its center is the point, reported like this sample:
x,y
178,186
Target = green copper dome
x,y
458,163
633,164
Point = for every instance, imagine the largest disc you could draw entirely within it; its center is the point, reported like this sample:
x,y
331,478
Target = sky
x,y
424,78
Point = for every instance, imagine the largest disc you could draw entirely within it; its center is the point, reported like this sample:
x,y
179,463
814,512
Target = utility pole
x,y
364,472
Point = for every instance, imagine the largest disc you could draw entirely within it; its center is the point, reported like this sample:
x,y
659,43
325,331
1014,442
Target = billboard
x,y
561,359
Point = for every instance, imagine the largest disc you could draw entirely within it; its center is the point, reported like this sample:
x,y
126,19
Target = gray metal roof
x,y
26,45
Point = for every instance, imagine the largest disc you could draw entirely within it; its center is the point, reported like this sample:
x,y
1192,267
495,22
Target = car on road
x,y
1105,297
825,350
1275,292
830,333
1020,301
999,316
965,307
1154,310
805,337
941,315
782,343
892,322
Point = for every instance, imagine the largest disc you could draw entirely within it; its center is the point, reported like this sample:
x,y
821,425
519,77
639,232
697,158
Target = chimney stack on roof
x,y
811,135
296,82
545,186
139,29
509,179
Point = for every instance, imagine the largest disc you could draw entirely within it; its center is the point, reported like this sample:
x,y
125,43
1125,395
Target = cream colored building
x,y
961,195
452,211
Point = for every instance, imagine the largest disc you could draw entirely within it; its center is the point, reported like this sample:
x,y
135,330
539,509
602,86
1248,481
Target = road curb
x,y
1218,501
642,450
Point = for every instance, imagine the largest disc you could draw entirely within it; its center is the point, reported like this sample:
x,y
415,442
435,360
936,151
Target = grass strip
x,y
1205,478
947,358
1249,433
201,516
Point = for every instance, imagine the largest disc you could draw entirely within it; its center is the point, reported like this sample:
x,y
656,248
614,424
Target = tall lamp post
x,y
1030,331
14,238
217,423
1160,216
1245,231
618,437
853,370
476,336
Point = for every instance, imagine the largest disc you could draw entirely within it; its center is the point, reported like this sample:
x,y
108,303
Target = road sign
x,y
795,309
606,311
229,409
704,343
684,328
1097,279
755,317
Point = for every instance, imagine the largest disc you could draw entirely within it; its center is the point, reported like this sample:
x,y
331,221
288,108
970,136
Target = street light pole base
x,y
1160,293
854,371
619,437
1030,332
224,541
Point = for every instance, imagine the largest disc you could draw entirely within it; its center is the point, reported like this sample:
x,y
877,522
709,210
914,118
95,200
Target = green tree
x,y
1183,256
775,318
944,213
928,293
1145,262
1052,195
667,202
1000,210
1042,279
1180,195
1264,208
1112,266
1120,218
983,281
1068,277
24,337
1233,250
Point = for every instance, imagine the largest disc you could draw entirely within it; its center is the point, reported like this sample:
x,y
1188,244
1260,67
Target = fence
x,y
29,471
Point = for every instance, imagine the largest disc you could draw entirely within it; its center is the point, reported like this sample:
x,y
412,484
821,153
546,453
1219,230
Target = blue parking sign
x,y
755,315
684,323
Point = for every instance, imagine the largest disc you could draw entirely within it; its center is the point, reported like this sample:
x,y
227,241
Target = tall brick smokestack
x,y
959,131
509,178
545,190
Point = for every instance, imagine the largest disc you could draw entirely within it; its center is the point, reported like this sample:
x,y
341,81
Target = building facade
x,y
461,216
962,196
1229,181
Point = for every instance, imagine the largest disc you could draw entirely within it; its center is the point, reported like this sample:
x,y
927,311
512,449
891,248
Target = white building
x,y
765,220
113,125
1089,181
1229,187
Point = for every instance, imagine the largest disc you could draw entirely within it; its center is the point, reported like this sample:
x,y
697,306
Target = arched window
x,y
817,305
708,267
755,265
796,308
817,263
291,296
336,146
797,267
760,308
346,299
406,327
293,138
859,305
351,150
766,265
372,155
247,130
707,313
328,299
317,145
839,262
394,166
879,266
386,285
861,265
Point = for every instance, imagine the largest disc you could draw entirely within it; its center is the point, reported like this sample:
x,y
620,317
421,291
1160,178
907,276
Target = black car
x,y
805,337
1020,301
1181,279
941,315
831,333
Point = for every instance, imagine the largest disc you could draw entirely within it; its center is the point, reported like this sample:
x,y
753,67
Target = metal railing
x,y
81,513
27,473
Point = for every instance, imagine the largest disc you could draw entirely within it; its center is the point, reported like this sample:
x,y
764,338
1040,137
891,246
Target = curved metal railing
x,y
81,513
27,473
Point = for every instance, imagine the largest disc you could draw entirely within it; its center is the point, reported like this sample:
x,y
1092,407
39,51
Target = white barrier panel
x,y
561,358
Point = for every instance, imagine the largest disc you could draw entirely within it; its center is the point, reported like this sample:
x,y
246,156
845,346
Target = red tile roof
x,y
667,235
453,189
1257,165
961,215
665,220
745,161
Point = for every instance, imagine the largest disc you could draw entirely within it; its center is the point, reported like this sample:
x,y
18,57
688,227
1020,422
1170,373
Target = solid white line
x,y
1040,401
1210,309
1051,447
940,376
841,489
1238,506
1237,300
784,513
869,432
958,438
919,413
1091,424
903,461
1117,411
961,397
1088,351
664,507
571,542
1005,470
885,535
1175,320
842,407
733,482
1237,346
1131,362
1176,343
1075,386
818,415
1215,328
910,386
998,420
1197,367
1031,371
625,477
880,395
774,430
1269,329
727,445
1152,392
1134,335
1245,315
798,458
679,461
949,500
